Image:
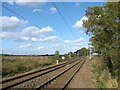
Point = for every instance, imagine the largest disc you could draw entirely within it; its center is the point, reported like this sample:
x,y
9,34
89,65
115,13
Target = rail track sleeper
x,y
72,77
30,73
41,86
12,85
30,78
10,79
34,77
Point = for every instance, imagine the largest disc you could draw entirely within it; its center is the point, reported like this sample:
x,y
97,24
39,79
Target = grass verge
x,y
14,65
102,75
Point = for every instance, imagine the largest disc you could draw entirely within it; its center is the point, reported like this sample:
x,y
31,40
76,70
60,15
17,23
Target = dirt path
x,y
84,78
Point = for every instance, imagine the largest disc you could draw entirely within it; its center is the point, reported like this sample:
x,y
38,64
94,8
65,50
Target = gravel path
x,y
84,78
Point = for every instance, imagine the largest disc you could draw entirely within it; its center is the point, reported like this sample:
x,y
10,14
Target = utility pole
x,y
90,49
78,54
70,51
90,53
2,51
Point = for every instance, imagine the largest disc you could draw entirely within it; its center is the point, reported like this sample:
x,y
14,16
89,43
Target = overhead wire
x,y
45,20
41,16
66,10
63,18
20,16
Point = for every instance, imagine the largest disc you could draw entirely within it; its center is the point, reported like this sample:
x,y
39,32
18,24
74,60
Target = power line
x,y
47,22
62,17
44,19
67,11
19,15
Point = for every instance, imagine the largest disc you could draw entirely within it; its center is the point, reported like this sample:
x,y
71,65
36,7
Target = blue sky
x,y
51,33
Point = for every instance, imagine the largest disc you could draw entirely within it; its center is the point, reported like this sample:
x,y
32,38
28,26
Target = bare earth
x,y
84,78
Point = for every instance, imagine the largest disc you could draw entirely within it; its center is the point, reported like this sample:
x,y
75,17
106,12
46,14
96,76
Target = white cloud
x,y
36,32
77,4
8,35
33,34
29,34
36,10
79,23
79,40
50,39
67,41
23,38
9,1
41,47
53,10
75,48
25,46
29,3
11,23
76,42
79,44
34,39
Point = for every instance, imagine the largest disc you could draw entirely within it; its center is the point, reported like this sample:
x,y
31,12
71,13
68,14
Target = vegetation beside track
x,y
14,65
103,26
101,73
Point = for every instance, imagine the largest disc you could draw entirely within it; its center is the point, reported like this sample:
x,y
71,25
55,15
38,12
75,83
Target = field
x,y
13,65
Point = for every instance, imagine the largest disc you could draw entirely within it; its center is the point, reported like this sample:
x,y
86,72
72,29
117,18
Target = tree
x,y
56,55
82,52
56,52
103,25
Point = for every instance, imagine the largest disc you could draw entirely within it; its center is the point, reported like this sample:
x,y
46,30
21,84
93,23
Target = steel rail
x,y
44,84
10,79
22,81
66,84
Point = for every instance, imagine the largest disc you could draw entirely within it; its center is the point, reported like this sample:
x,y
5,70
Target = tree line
x,y
103,25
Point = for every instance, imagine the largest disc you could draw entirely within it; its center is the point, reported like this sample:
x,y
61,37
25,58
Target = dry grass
x,y
12,65
102,74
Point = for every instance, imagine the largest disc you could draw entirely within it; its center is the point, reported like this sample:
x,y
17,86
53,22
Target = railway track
x,y
16,81
61,80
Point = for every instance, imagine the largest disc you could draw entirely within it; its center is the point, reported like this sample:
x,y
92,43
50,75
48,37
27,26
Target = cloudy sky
x,y
43,28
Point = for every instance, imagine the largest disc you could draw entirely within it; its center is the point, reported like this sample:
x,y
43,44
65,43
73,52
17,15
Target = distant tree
x,y
56,55
56,52
73,54
82,52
